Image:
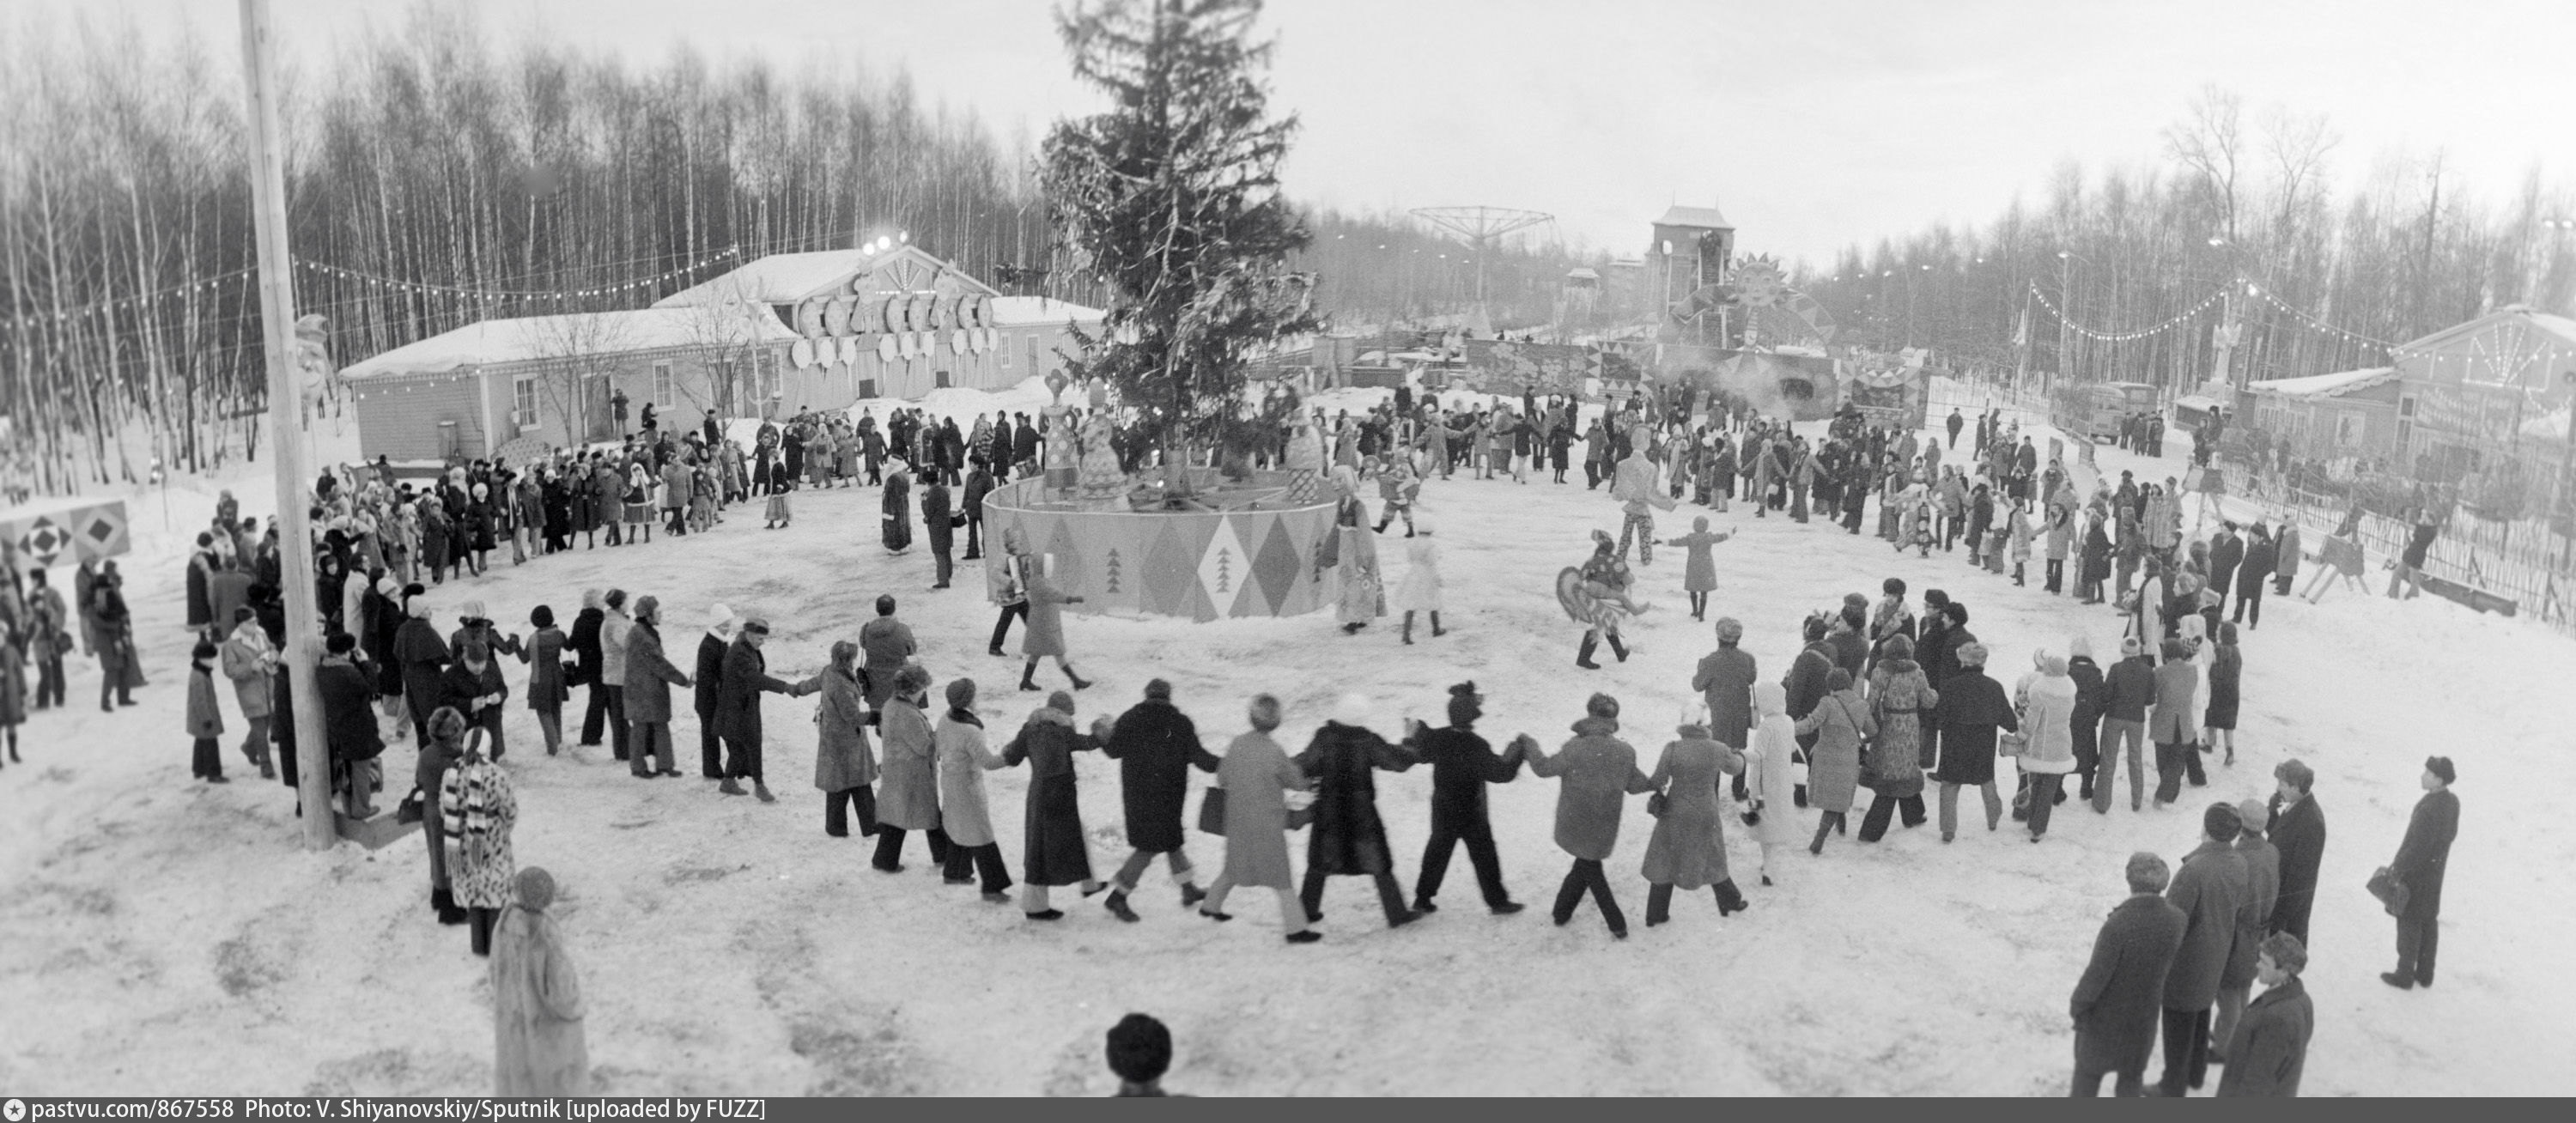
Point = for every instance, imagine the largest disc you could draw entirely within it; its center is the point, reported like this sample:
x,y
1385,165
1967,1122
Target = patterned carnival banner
x,y
1259,560
66,531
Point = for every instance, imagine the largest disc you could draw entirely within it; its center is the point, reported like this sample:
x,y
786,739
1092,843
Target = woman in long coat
x,y
1688,846
439,751
1699,572
1256,776
967,814
898,512
1899,696
844,763
477,808
1056,852
1348,839
908,780
539,1047
1361,595
1840,722
1044,635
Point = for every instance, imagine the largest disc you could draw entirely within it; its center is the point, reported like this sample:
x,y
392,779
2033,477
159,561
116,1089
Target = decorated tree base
x,y
1234,548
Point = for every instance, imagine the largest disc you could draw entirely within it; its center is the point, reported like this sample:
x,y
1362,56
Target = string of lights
x,y
371,280
2313,322
2124,336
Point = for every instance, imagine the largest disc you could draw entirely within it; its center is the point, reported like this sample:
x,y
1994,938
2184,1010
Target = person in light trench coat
x,y
1256,776
2045,699
908,777
964,811
539,1045
845,764
1840,721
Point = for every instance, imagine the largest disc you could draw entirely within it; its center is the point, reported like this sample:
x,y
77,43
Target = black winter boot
x,y
1729,899
1583,655
1436,630
1617,648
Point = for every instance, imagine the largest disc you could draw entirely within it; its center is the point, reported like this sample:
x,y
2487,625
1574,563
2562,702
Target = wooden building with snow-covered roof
x,y
785,333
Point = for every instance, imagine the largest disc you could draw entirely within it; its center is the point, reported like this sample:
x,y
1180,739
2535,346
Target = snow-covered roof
x,y
1037,311
1582,273
2324,385
2561,327
529,338
780,278
786,278
2551,427
1704,218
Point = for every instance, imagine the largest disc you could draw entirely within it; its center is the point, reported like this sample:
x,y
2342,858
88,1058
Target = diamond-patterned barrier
x,y
1257,560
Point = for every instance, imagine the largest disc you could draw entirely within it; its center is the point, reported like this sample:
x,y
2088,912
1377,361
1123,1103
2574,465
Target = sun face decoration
x,y
1759,283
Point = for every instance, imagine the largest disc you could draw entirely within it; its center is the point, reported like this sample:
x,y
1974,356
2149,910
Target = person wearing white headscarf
x,y
1420,589
1771,775
1361,591
539,1045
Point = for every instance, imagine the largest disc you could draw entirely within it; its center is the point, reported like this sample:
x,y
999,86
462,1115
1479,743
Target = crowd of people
x,y
1884,697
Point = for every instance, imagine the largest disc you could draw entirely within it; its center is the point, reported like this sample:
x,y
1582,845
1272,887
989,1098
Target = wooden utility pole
x,y
285,432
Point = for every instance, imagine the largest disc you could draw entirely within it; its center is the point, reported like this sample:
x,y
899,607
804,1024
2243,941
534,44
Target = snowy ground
x,y
168,937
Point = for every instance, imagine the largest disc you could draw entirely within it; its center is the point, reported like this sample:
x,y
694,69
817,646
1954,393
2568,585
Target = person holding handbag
x,y
1688,846
1256,776
1839,722
2423,859
2045,702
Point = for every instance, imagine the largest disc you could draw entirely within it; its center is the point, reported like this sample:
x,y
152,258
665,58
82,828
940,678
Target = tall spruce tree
x,y
1173,197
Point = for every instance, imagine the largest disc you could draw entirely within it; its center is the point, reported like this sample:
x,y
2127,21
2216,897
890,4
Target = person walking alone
x,y
2423,859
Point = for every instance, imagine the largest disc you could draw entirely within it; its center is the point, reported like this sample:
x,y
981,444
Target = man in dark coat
x,y
1462,763
1956,423
2126,693
348,721
423,658
1024,447
898,512
1971,709
585,666
2116,1002
979,483
1155,745
939,527
2269,1050
2299,833
2262,556
710,690
1725,681
886,644
2211,890
2421,861
649,679
2226,553
1348,839
746,675
2262,894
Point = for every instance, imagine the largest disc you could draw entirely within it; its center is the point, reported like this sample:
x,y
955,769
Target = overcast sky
x,y
1813,124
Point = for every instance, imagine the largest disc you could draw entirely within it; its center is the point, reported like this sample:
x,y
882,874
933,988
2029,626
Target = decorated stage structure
x,y
1242,547
51,532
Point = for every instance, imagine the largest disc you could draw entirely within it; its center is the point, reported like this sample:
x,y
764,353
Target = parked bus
x,y
2109,404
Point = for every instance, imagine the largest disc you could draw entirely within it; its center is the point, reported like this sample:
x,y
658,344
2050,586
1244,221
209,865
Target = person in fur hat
x,y
1688,846
1057,850
1597,770
1349,840
1462,763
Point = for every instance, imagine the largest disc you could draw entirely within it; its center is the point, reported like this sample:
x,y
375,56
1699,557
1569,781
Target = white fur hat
x,y
719,617
1351,709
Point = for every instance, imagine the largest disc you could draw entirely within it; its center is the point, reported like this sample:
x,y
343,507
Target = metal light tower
x,y
1480,228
